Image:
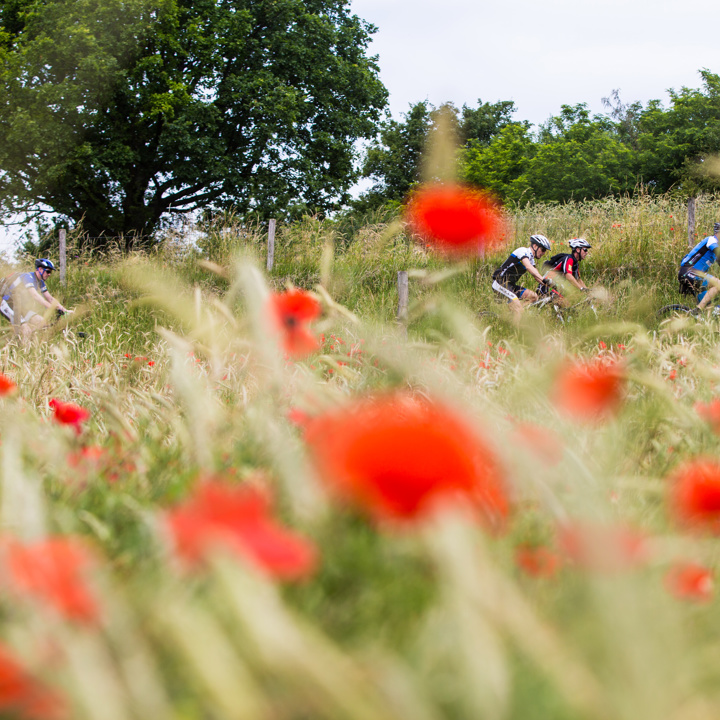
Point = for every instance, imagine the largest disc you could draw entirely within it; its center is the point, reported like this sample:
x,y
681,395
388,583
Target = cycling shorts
x,y
510,291
693,284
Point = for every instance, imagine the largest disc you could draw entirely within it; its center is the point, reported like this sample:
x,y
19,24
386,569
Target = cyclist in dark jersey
x,y
522,260
567,265
693,276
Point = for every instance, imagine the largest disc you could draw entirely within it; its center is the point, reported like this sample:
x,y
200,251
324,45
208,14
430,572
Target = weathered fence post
x,y
63,257
271,245
402,283
691,222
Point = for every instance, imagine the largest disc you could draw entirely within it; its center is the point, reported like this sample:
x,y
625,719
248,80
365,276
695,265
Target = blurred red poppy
x,y
710,412
291,312
7,386
588,391
236,518
537,561
454,219
544,443
601,547
54,571
695,495
24,697
690,581
69,414
298,417
398,458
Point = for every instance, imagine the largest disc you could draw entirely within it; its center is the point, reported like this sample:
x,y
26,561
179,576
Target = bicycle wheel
x,y
675,309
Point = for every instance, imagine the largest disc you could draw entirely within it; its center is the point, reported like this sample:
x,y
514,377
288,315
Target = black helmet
x,y
44,263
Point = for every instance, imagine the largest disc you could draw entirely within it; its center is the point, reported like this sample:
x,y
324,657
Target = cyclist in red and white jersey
x,y
567,265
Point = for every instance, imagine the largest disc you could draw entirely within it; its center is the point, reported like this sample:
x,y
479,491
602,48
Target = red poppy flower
x,y
69,414
399,458
298,417
90,456
695,495
291,312
454,219
537,561
237,518
22,696
690,581
7,386
600,547
710,412
53,571
589,391
544,443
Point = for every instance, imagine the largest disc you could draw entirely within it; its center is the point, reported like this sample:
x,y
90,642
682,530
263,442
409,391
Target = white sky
x,y
540,54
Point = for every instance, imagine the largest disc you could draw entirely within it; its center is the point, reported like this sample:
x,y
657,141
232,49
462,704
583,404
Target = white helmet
x,y
579,243
540,240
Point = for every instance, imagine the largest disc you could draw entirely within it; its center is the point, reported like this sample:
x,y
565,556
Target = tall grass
x,y
184,381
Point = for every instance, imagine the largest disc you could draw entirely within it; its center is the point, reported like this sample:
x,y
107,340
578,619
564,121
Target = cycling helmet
x,y
44,263
576,243
540,240
716,227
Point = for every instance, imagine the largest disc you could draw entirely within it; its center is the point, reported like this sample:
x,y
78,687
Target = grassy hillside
x,y
573,581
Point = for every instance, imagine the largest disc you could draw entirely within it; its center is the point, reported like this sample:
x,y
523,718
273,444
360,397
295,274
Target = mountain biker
x,y
505,278
693,276
567,265
27,297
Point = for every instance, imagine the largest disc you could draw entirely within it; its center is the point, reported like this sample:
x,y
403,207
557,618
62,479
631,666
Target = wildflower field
x,y
242,494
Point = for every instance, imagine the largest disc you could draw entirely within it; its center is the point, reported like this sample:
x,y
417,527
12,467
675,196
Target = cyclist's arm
x,y
45,299
578,283
38,297
54,303
532,270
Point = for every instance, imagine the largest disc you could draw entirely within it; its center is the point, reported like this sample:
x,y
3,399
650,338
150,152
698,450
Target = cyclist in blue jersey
x,y
693,277
505,278
26,298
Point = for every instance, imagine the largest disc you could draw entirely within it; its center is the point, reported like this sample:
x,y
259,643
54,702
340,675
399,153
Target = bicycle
x,y
555,301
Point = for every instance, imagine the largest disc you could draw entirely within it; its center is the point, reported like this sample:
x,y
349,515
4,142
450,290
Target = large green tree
x,y
120,113
573,156
394,161
673,143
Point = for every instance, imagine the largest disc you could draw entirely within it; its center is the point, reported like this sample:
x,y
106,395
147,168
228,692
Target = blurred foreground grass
x,y
439,619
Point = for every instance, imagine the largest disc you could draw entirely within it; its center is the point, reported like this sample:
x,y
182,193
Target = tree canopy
x,y
574,155
120,113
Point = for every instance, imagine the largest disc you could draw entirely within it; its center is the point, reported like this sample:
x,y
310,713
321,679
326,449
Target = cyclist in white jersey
x,y
26,298
522,260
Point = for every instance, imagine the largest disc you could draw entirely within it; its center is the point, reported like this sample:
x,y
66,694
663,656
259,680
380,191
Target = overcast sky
x,y
540,54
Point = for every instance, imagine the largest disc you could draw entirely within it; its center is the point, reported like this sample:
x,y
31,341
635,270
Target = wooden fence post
x,y
63,258
402,283
271,245
691,222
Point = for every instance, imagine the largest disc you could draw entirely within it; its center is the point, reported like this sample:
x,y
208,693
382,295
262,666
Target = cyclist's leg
x,y
30,323
708,290
528,296
512,298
